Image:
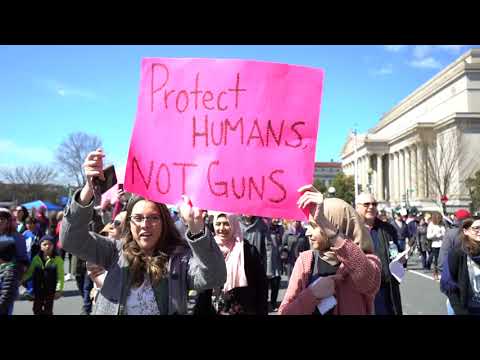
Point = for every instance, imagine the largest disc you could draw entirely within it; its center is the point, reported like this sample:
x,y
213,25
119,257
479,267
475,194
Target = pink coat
x,y
355,293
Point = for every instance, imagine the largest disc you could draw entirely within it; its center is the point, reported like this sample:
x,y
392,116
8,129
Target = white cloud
x,y
17,155
422,51
395,48
65,90
384,70
427,63
451,48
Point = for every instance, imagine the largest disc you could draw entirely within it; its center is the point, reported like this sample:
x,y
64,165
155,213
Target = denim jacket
x,y
198,266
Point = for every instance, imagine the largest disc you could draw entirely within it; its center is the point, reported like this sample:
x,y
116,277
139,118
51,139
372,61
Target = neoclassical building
x,y
439,122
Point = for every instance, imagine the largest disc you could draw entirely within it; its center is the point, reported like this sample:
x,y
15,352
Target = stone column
x,y
408,164
359,170
421,171
363,174
390,177
380,192
367,166
396,176
413,158
401,160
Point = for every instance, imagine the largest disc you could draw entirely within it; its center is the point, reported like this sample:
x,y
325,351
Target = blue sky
x,y
48,92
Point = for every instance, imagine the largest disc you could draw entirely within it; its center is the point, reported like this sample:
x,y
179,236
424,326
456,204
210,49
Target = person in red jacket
x,y
340,269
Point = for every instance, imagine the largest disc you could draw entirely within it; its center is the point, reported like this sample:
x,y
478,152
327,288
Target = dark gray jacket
x,y
450,241
256,234
8,286
198,266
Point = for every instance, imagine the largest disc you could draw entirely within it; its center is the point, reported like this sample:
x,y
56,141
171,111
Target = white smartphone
x,y
327,304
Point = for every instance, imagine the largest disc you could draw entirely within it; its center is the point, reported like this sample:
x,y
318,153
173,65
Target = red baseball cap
x,y
462,214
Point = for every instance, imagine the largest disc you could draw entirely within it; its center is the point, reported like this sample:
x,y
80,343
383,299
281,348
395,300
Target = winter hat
x,y
462,214
48,238
7,250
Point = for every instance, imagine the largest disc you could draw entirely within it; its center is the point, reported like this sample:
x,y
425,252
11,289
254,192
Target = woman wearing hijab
x,y
461,272
245,290
340,269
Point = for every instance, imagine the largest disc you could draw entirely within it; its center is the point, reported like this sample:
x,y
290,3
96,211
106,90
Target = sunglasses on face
x,y
374,204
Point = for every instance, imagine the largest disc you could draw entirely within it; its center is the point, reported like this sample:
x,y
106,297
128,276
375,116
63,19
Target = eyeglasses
x,y
153,219
116,223
374,204
475,229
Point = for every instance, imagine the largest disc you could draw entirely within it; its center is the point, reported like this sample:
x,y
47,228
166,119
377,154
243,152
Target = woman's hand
x,y
95,270
93,167
324,287
120,194
191,216
313,199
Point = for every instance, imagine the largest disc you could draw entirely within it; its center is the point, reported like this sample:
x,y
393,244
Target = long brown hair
x,y
470,246
437,218
156,265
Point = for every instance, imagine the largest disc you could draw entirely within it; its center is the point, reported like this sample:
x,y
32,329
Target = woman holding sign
x,y
151,270
340,276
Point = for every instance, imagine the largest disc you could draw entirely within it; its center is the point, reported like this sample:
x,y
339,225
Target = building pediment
x,y
349,146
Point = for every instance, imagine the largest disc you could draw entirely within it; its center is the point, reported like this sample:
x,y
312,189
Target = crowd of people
x,y
137,256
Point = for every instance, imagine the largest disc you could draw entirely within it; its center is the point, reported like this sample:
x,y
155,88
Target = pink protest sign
x,y
236,136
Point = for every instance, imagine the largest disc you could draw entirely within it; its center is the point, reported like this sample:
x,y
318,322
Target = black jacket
x,y
402,231
8,286
457,265
253,299
450,241
386,233
256,234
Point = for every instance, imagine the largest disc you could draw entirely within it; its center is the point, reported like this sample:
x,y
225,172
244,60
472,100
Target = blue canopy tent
x,y
39,203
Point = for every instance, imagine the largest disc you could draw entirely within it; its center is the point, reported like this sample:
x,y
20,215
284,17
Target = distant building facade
x,y
393,156
325,172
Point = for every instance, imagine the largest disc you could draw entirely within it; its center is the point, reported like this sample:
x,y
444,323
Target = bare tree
x,y
32,175
27,183
72,152
444,153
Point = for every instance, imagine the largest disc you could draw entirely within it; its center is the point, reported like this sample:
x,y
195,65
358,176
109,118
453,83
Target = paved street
x,y
420,295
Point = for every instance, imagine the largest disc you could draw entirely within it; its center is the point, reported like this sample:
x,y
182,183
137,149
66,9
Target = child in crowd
x,y
8,277
47,273
32,242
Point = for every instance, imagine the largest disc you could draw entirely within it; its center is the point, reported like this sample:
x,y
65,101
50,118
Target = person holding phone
x,y
151,270
340,275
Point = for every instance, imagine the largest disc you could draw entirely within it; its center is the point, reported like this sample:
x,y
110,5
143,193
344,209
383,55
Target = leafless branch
x,y
444,153
72,152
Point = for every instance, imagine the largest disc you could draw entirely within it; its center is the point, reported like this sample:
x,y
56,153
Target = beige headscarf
x,y
344,217
233,253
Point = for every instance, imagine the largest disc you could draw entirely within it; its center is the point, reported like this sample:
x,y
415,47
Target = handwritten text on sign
x,y
236,136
